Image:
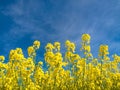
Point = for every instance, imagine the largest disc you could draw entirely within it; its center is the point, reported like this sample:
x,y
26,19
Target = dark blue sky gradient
x,y
23,21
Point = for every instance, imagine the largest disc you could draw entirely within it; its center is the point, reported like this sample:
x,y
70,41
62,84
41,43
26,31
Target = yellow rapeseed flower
x,y
49,47
103,50
36,44
2,58
85,37
67,71
40,63
57,45
30,50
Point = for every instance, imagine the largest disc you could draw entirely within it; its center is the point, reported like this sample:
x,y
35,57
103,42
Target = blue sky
x,y
23,21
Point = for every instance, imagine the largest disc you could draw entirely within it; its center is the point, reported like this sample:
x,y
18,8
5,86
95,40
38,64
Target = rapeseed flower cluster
x,y
68,71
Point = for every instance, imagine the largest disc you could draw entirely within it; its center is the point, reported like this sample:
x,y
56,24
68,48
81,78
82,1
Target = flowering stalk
x,y
71,71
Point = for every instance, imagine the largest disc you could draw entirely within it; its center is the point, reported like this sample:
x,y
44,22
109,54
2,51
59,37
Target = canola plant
x,y
64,72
